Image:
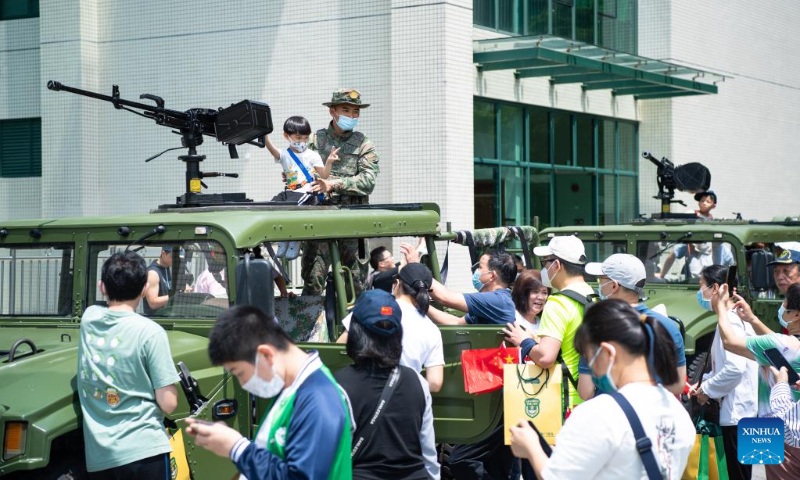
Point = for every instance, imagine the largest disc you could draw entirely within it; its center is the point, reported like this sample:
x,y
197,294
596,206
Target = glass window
x,y
627,147
599,251
21,148
563,138
539,136
605,144
508,11
627,199
562,18
513,190
616,24
15,9
585,140
511,133
606,200
483,13
193,278
584,21
36,280
540,190
670,262
486,196
485,130
537,16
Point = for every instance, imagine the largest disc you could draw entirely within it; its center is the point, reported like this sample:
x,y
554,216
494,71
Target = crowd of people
x,y
624,363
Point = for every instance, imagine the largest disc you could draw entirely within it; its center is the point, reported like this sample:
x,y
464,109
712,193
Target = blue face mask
x,y
603,383
600,290
346,123
476,280
781,311
705,304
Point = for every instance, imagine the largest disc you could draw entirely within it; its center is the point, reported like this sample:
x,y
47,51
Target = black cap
x,y
417,272
384,280
699,195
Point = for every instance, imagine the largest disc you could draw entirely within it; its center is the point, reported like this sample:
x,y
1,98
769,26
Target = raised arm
x,y
274,151
325,172
447,297
746,314
732,341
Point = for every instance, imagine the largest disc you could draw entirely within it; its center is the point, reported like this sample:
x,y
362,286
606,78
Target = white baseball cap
x,y
568,248
623,268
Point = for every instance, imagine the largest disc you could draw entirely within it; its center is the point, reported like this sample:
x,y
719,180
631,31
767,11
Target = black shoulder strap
x,y
445,264
364,433
473,251
573,295
277,262
585,301
643,444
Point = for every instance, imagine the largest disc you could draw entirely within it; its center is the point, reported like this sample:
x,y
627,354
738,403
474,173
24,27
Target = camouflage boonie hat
x,y
350,96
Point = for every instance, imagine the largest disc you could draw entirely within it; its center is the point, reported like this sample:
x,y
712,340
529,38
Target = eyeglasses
x,y
547,261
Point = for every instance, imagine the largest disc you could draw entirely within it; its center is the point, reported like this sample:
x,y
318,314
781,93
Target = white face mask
x,y
299,146
546,280
264,388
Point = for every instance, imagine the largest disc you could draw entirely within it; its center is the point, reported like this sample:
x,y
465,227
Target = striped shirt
x,y
784,407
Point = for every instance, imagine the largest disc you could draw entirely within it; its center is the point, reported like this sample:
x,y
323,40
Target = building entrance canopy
x,y
596,68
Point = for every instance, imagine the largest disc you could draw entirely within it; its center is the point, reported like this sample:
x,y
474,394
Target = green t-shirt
x,y
561,318
757,345
123,358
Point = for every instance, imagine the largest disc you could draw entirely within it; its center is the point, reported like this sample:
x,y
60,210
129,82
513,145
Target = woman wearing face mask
x,y
597,440
400,444
754,348
732,379
529,296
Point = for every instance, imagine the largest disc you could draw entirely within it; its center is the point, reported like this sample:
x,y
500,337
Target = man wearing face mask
x,y
563,262
306,433
622,276
351,180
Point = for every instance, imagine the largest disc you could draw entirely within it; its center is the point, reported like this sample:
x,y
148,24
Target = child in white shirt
x,y
301,167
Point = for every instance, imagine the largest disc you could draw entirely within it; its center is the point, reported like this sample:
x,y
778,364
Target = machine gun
x,y
238,124
693,177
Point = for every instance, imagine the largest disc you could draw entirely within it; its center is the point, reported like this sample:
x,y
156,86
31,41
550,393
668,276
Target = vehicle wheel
x,y
694,366
444,460
61,468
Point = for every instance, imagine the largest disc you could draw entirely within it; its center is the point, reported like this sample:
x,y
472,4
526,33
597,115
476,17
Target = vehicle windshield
x,y
36,280
191,279
682,262
599,251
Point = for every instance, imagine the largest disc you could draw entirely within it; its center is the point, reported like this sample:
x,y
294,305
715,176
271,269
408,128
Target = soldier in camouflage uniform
x,y
351,181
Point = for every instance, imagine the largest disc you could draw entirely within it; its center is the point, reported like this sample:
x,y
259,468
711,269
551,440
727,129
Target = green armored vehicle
x,y
674,252
49,272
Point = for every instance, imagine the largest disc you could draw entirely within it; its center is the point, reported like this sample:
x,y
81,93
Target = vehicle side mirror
x,y
255,284
761,271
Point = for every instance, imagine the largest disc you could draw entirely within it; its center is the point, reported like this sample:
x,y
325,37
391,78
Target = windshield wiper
x,y
679,240
156,231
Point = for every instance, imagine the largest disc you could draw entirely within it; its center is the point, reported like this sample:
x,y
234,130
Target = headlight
x,y
14,439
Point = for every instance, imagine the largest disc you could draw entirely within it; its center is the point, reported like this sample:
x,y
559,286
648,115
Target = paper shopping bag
x,y
178,465
531,393
483,368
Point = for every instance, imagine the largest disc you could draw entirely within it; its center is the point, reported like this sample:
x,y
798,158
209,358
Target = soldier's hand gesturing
x,y
333,157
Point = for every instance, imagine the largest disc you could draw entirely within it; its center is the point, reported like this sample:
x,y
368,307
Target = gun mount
x,y
241,123
692,178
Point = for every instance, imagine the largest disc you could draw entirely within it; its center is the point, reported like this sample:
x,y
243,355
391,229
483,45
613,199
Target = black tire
x,y
694,366
444,450
67,461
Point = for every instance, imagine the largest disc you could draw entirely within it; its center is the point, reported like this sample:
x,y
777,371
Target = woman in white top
x,y
597,441
422,340
529,296
733,379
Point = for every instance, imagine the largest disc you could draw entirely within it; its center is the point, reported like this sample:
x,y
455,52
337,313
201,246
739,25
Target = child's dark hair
x,y
616,321
793,297
714,274
239,331
296,126
124,275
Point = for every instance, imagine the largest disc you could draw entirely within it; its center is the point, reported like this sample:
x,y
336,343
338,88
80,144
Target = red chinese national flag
x,y
483,368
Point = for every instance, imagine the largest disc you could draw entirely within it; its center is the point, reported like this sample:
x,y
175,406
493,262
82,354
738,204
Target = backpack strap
x,y
364,433
643,444
585,302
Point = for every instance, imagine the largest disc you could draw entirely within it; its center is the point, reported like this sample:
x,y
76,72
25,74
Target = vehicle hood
x,y
34,386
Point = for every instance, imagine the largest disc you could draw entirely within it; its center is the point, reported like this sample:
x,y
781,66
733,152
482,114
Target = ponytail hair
x,y
419,292
616,321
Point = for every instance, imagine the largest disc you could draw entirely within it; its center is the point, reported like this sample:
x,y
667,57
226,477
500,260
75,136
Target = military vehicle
x,y
49,271
674,250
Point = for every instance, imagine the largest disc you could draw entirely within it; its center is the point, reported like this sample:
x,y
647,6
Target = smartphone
x,y
732,280
545,446
777,361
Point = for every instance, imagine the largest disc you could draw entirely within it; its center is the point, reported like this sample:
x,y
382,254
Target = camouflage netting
x,y
490,237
